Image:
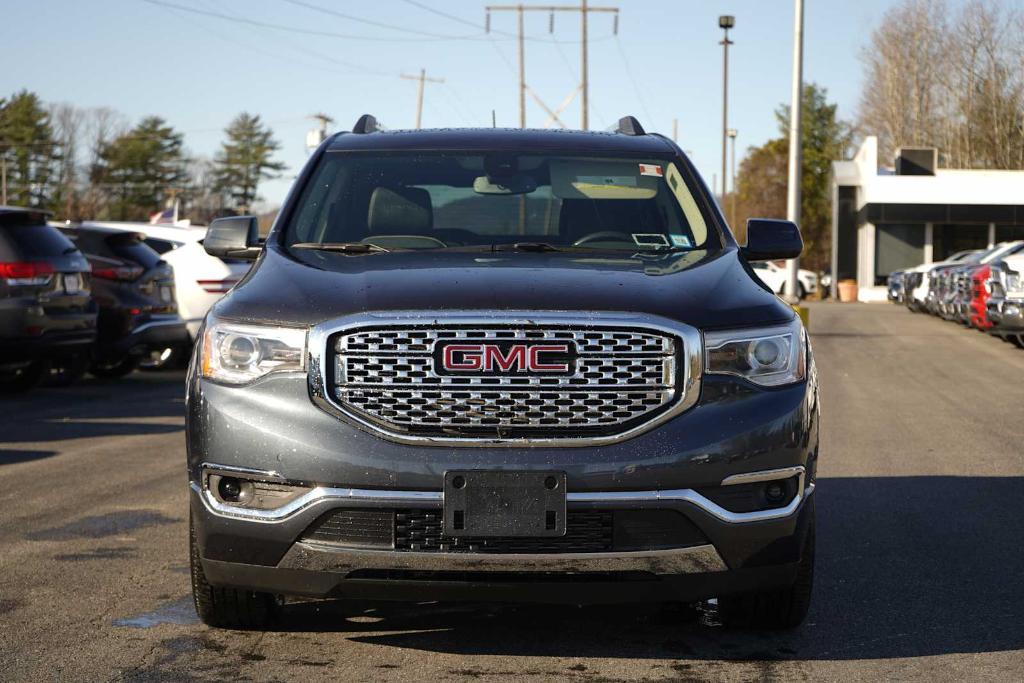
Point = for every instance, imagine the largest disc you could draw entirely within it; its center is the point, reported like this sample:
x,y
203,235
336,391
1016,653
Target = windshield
x,y
436,201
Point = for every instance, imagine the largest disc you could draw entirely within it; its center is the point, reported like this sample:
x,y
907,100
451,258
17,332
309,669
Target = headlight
x,y
1013,281
234,353
769,356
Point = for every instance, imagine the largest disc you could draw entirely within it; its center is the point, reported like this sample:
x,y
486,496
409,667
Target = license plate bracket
x,y
489,503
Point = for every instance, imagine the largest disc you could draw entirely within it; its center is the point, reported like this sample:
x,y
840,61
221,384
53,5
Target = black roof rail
x,y
367,123
628,125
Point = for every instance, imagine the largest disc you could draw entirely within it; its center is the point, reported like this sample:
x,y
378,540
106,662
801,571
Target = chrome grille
x,y
622,377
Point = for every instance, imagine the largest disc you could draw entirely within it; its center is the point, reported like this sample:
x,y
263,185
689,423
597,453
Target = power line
x,y
508,35
289,29
636,86
370,22
357,68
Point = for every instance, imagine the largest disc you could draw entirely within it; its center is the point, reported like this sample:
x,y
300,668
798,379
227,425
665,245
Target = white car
x,y
199,279
774,275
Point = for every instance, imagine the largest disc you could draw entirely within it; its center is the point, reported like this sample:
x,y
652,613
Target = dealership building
x,y
886,219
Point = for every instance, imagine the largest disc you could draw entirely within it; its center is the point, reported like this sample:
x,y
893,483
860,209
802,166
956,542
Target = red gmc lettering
x,y
537,365
491,358
471,355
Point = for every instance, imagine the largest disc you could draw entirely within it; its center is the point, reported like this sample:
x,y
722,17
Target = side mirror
x,y
235,237
769,239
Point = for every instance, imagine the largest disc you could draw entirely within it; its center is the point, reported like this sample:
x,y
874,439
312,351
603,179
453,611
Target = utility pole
x,y
732,133
3,175
317,135
795,144
725,22
584,80
584,9
422,78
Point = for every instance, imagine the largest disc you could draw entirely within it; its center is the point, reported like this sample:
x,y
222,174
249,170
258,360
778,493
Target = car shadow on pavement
x,y
906,567
135,405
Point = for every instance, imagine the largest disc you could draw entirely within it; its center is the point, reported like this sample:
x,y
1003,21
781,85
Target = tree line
x,y
90,163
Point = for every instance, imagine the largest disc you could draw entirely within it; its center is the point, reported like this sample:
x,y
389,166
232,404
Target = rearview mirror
x,y
515,184
234,237
769,239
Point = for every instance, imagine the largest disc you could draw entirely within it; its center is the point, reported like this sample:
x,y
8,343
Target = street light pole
x,y
732,133
795,145
725,22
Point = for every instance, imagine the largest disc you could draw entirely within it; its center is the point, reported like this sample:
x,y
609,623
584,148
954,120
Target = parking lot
x,y
920,495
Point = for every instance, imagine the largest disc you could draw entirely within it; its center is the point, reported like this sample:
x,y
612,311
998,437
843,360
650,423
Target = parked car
x,y
956,292
894,286
1005,305
774,276
47,315
920,284
134,289
453,373
199,279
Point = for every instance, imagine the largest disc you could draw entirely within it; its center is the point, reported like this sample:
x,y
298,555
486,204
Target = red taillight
x,y
23,270
124,273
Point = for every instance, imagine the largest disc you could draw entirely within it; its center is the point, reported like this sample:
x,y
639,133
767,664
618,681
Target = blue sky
x,y
198,71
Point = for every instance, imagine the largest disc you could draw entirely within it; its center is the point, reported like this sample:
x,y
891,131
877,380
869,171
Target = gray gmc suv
x,y
502,365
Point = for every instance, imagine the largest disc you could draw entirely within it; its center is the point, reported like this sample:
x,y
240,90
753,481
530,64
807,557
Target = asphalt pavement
x,y
920,501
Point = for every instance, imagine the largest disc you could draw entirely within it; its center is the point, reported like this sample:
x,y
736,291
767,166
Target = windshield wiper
x,y
527,246
343,247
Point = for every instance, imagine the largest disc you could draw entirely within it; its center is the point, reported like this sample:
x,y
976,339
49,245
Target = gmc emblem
x,y
504,358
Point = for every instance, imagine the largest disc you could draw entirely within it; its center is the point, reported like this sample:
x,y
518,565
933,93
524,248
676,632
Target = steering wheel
x,y
603,236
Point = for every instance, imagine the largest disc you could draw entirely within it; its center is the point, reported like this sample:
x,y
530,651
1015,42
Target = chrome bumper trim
x,y
324,494
694,560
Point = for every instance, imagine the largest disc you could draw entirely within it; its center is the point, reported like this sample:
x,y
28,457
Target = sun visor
x,y
600,179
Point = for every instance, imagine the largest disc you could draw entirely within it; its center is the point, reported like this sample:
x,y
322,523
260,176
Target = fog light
x,y
230,489
246,493
775,492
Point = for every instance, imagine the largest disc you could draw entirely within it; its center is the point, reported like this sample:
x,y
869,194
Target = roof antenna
x,y
366,124
494,119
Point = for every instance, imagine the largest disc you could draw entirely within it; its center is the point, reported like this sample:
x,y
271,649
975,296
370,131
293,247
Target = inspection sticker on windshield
x,y
650,239
680,241
651,169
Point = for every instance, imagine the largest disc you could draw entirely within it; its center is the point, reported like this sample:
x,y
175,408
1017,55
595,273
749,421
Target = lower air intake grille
x,y
587,531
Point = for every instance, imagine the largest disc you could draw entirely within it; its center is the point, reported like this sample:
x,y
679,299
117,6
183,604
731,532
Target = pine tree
x,y
245,159
140,169
28,146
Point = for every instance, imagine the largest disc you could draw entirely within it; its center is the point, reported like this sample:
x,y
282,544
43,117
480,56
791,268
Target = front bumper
x,y
1006,315
310,569
273,426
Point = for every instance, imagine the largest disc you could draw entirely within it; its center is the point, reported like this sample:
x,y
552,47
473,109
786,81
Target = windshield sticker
x,y
651,169
650,239
680,241
606,180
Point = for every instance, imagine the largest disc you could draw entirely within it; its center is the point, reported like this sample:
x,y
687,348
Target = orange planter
x,y
847,291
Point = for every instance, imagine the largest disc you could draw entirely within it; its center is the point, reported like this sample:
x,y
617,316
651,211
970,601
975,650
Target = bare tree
x,y
956,84
100,125
904,62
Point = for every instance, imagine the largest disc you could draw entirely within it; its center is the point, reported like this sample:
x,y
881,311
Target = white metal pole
x,y
796,100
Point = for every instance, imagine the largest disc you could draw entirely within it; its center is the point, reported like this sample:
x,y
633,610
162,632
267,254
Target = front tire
x,y
22,378
782,608
222,607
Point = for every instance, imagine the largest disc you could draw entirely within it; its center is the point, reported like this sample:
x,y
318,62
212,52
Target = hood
x,y
708,291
